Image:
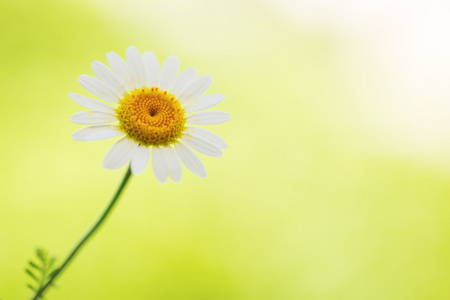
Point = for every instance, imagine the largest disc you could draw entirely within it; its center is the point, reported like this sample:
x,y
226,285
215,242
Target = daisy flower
x,y
152,109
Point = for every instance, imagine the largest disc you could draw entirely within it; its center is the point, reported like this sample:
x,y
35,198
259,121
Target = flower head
x,y
152,108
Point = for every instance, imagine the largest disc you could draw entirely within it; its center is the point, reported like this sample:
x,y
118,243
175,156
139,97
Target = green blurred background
x,y
335,184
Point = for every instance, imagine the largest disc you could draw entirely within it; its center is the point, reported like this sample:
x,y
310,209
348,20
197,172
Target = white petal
x,y
166,164
207,135
108,77
136,66
190,160
174,164
140,159
183,81
196,89
121,70
92,117
168,73
160,166
119,154
204,102
91,103
210,117
95,133
201,145
151,65
98,88
117,64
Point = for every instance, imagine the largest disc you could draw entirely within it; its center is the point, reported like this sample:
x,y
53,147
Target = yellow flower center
x,y
151,117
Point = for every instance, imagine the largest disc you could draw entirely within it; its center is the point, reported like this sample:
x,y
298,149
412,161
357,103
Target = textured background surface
x,y
335,184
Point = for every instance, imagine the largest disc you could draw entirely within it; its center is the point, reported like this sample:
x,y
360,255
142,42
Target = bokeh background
x,y
336,184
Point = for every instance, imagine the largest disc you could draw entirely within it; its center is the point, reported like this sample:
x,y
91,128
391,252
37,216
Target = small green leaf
x,y
32,275
40,269
42,254
51,262
53,272
31,287
34,265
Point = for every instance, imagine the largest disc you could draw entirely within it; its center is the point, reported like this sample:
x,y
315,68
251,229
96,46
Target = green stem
x,y
87,236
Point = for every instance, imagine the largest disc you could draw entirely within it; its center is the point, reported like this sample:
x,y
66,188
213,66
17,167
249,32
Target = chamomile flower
x,y
153,110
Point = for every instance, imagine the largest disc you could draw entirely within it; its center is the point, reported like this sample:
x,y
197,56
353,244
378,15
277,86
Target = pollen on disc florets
x,y
151,117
